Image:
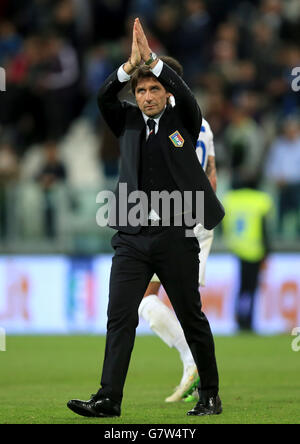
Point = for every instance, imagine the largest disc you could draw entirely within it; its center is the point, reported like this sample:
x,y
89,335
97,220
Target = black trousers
x,y
174,258
249,278
289,202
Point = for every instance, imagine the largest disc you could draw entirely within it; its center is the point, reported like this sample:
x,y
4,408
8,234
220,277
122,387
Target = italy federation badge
x,y
177,139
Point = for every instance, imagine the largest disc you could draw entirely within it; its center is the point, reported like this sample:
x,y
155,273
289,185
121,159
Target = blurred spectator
x,y
220,10
279,80
225,63
165,27
64,22
109,155
84,22
53,172
21,105
291,27
109,18
231,33
30,16
9,170
10,42
246,78
290,101
97,68
271,13
244,144
246,235
283,169
291,9
42,93
59,85
147,9
263,51
194,39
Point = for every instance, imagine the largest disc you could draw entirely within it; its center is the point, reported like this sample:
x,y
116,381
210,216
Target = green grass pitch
x,y
259,380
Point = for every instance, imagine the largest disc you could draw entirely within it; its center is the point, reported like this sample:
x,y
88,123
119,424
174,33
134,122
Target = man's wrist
x,y
152,57
157,67
129,67
123,75
153,64
131,64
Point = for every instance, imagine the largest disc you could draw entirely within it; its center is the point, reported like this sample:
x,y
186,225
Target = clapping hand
x,y
142,41
140,49
135,56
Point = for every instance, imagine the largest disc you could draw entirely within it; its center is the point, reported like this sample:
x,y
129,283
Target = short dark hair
x,y
142,72
173,63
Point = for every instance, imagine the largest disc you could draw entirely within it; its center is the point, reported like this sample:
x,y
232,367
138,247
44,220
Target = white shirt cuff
x,y
122,75
158,68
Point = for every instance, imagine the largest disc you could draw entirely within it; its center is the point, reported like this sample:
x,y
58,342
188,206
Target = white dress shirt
x,y
124,77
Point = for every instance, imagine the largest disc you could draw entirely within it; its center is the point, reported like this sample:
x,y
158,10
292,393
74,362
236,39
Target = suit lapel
x,y
132,141
139,134
163,134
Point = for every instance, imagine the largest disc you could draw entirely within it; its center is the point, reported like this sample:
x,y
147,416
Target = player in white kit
x,y
161,318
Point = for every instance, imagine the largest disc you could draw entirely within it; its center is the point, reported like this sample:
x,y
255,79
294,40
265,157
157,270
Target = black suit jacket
x,y
127,123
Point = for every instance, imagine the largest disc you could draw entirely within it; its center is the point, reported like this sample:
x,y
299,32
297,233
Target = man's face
x,y
151,96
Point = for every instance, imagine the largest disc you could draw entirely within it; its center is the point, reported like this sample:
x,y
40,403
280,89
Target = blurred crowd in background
x,y
237,56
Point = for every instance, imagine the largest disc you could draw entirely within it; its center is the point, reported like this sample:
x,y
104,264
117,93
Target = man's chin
x,y
151,112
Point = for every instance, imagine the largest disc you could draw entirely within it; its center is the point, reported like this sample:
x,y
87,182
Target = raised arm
x,y
113,111
186,103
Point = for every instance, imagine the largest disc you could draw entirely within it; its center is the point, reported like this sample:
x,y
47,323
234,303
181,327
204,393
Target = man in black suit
x,y
157,144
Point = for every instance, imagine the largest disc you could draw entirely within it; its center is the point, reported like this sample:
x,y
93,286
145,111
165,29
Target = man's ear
x,y
169,99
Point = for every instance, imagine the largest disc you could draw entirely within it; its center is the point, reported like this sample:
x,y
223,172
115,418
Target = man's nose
x,y
148,96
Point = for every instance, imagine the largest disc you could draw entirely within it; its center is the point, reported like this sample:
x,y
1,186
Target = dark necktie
x,y
151,125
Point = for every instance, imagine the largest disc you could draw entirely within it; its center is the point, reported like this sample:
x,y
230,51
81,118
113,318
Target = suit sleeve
x,y
186,103
111,108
